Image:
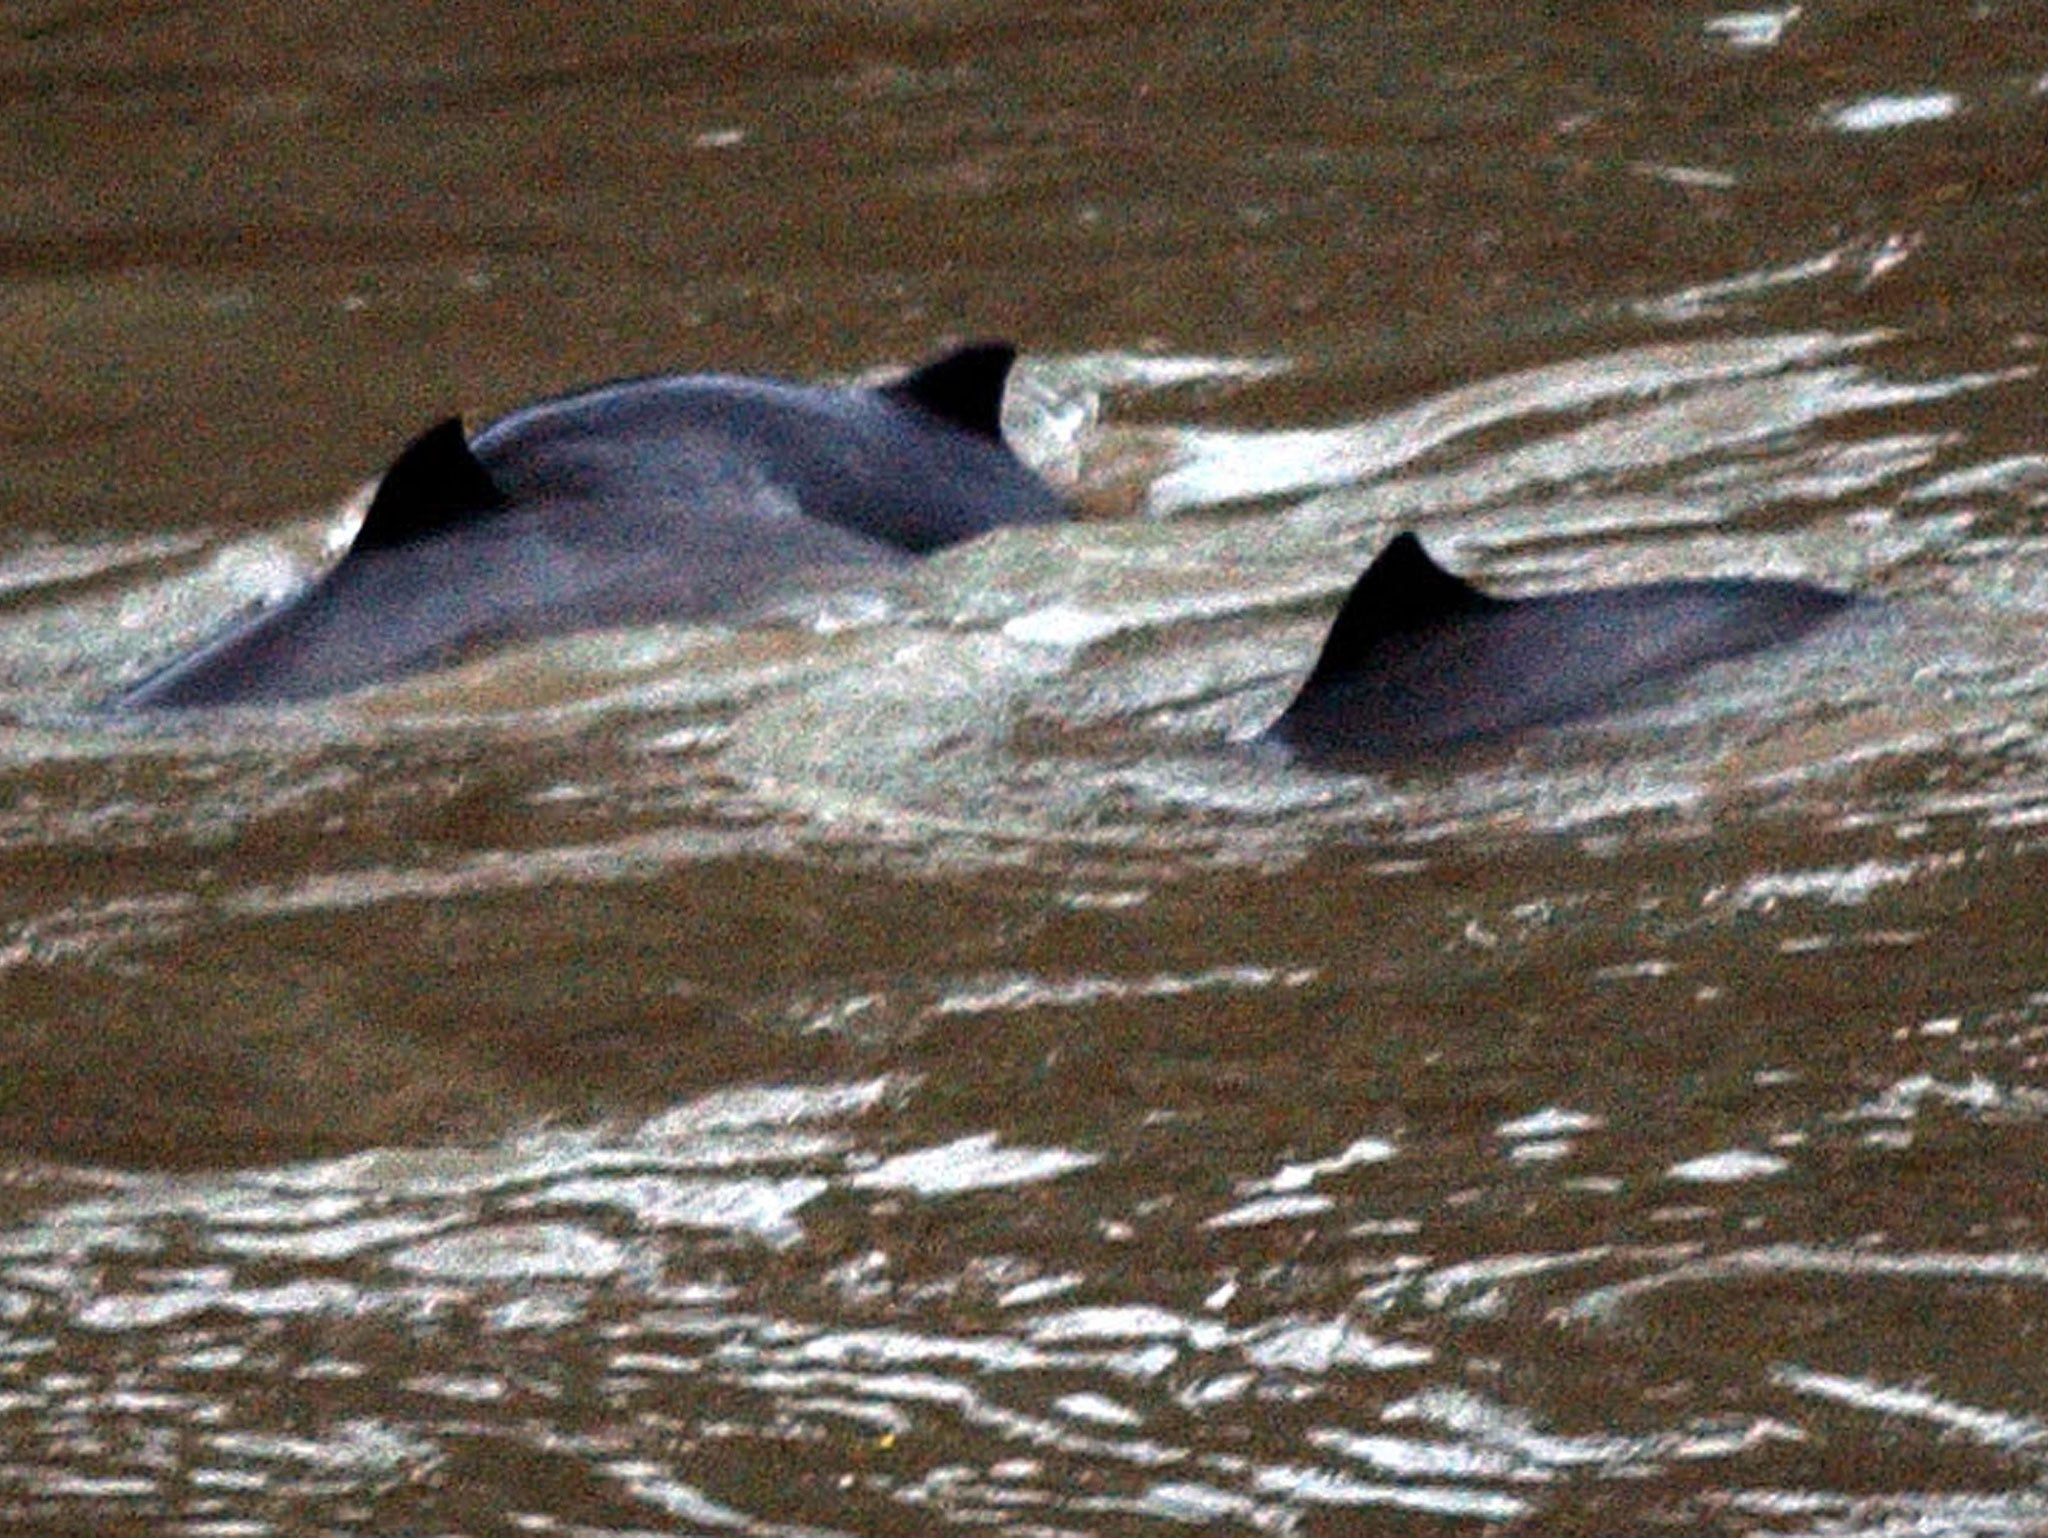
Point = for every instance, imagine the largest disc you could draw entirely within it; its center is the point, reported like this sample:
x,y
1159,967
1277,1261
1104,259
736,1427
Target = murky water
x,y
907,1064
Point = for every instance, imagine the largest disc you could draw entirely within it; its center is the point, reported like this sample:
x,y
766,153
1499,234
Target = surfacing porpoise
x,y
673,498
1420,662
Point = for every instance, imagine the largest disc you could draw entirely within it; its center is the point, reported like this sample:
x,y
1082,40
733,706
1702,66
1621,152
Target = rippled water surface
x,y
910,1063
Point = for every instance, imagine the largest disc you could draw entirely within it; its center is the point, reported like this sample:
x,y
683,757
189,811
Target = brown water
x,y
901,1068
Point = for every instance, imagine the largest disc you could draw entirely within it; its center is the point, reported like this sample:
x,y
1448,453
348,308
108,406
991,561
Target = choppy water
x,y
907,1065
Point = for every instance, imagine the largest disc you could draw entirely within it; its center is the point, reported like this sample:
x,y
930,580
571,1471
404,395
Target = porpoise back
x,y
671,498
1419,662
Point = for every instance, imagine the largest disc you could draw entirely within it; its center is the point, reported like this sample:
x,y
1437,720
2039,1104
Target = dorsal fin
x,y
433,485
965,387
1402,591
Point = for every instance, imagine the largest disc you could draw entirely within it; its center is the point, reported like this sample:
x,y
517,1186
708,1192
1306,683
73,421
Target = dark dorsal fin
x,y
433,485
965,387
1402,591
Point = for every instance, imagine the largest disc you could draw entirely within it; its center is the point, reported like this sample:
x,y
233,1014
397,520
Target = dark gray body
x,y
1419,662
657,499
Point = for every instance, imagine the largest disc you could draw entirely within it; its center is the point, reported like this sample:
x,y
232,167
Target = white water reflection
x,y
1792,1260
761,1208
1876,114
1295,1177
968,1164
1992,1428
1271,1209
1728,1167
1513,1435
1905,1100
1752,29
1550,1122
1861,260
1326,1487
1827,1514
1025,993
1213,468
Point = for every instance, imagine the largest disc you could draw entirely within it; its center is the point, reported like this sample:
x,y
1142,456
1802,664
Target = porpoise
x,y
679,497
1420,662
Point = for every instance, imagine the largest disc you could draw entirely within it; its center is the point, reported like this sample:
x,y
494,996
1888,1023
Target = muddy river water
x,y
906,1065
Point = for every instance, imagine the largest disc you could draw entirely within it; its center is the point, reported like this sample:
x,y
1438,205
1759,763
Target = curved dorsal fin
x,y
433,485
1402,591
965,387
